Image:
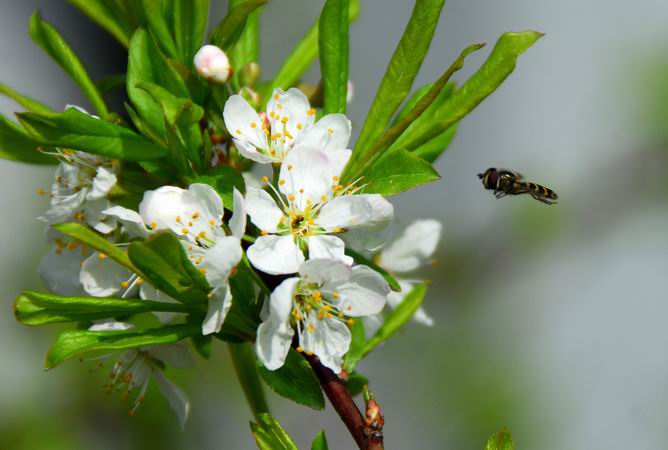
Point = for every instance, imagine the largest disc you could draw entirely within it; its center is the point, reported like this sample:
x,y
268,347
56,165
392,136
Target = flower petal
x,y
363,294
131,221
239,117
219,305
274,335
394,299
59,270
413,248
322,271
219,260
176,355
110,325
102,277
237,222
262,209
289,111
62,207
96,218
310,174
249,151
327,247
275,255
104,180
356,211
178,402
329,340
330,133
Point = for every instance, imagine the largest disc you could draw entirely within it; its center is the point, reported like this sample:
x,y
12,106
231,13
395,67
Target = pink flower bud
x,y
212,64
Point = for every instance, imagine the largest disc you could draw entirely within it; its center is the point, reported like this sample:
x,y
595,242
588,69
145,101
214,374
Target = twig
x,y
367,432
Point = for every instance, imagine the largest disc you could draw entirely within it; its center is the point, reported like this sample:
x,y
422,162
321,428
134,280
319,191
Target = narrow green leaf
x,y
157,25
163,261
75,130
16,145
244,361
356,383
269,435
295,381
301,57
411,102
53,43
333,49
502,440
401,72
361,259
247,46
356,349
385,142
106,15
500,63
178,111
432,149
398,317
228,31
34,308
110,83
25,101
98,242
190,20
76,342
397,172
203,345
320,442
147,64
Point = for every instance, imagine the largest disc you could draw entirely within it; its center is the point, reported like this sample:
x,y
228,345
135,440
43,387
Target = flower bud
x,y
249,74
212,64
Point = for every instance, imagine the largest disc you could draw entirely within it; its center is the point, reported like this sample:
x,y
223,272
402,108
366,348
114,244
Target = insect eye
x,y
492,178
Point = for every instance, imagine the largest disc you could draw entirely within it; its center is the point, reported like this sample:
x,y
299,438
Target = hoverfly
x,y
506,182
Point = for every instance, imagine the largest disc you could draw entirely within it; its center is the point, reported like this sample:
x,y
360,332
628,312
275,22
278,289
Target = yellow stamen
x,y
264,179
264,232
253,125
125,284
300,349
291,197
299,126
184,230
281,182
311,112
40,191
101,256
154,225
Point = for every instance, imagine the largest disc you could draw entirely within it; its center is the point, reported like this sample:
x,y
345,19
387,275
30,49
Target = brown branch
x,y
366,431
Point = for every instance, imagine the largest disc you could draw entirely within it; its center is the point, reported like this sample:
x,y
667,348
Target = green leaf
x,y
111,82
34,308
148,65
356,383
432,149
333,48
98,242
301,57
53,43
75,130
356,349
25,101
398,317
106,13
154,11
269,435
16,145
178,111
203,345
502,440
500,63
295,381
361,259
228,31
190,20
76,342
163,261
247,47
385,142
397,172
223,179
401,72
320,442
243,317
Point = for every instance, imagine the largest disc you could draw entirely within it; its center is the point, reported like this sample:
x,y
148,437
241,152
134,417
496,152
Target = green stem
x,y
243,358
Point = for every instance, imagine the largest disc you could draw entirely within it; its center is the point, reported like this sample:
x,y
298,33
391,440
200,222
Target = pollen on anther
x,y
310,328
291,197
336,295
264,232
140,281
301,191
238,131
272,114
201,235
195,214
323,198
41,191
300,349
281,182
125,284
264,179
203,270
289,166
212,222
178,219
253,125
184,230
284,120
330,130
154,225
276,97
101,256
351,321
299,126
335,178
311,112
279,106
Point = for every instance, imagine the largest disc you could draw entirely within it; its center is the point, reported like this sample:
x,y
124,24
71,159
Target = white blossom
x,y
289,120
308,211
318,305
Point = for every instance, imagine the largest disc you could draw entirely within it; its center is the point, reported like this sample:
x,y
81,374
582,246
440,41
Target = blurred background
x,y
550,321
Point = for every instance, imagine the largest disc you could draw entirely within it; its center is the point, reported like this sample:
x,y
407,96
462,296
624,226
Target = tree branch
x,y
366,431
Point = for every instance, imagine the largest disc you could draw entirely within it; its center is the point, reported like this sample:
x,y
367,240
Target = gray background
x,y
549,320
